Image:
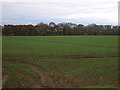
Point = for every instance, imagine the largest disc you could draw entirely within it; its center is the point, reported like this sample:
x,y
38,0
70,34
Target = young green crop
x,y
72,61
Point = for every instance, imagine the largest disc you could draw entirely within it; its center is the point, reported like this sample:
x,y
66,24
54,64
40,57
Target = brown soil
x,y
31,82
4,76
79,56
72,56
69,56
75,56
4,79
45,78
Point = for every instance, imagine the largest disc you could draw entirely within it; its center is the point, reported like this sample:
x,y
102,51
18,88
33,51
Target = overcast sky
x,y
76,11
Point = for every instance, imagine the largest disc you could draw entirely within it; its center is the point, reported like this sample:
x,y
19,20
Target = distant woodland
x,y
52,29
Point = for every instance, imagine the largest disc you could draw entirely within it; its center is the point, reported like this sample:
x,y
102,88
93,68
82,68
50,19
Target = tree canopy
x,y
42,29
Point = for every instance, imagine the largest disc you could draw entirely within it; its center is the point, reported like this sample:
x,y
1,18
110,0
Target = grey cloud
x,y
26,12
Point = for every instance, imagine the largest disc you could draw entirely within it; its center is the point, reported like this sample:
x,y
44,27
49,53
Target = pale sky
x,y
76,11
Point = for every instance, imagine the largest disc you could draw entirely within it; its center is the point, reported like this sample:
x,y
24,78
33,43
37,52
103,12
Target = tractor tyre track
x,y
45,78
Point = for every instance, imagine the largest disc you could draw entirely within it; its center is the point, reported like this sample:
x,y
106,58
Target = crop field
x,y
60,61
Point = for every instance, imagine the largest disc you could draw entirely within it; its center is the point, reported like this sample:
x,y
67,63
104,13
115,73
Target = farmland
x,y
60,61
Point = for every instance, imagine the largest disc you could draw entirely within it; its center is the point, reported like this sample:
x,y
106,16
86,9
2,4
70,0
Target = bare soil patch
x,y
44,77
31,82
4,76
75,56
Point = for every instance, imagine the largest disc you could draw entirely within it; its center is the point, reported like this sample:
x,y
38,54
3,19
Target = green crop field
x,y
60,61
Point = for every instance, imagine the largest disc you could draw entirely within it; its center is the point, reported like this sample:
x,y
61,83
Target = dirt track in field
x,y
42,80
45,78
4,76
4,79
75,56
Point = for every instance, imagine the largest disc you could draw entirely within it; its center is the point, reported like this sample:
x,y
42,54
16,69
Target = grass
x,y
61,57
19,67
49,45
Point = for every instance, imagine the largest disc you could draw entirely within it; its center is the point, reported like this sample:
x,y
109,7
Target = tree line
x,y
42,29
